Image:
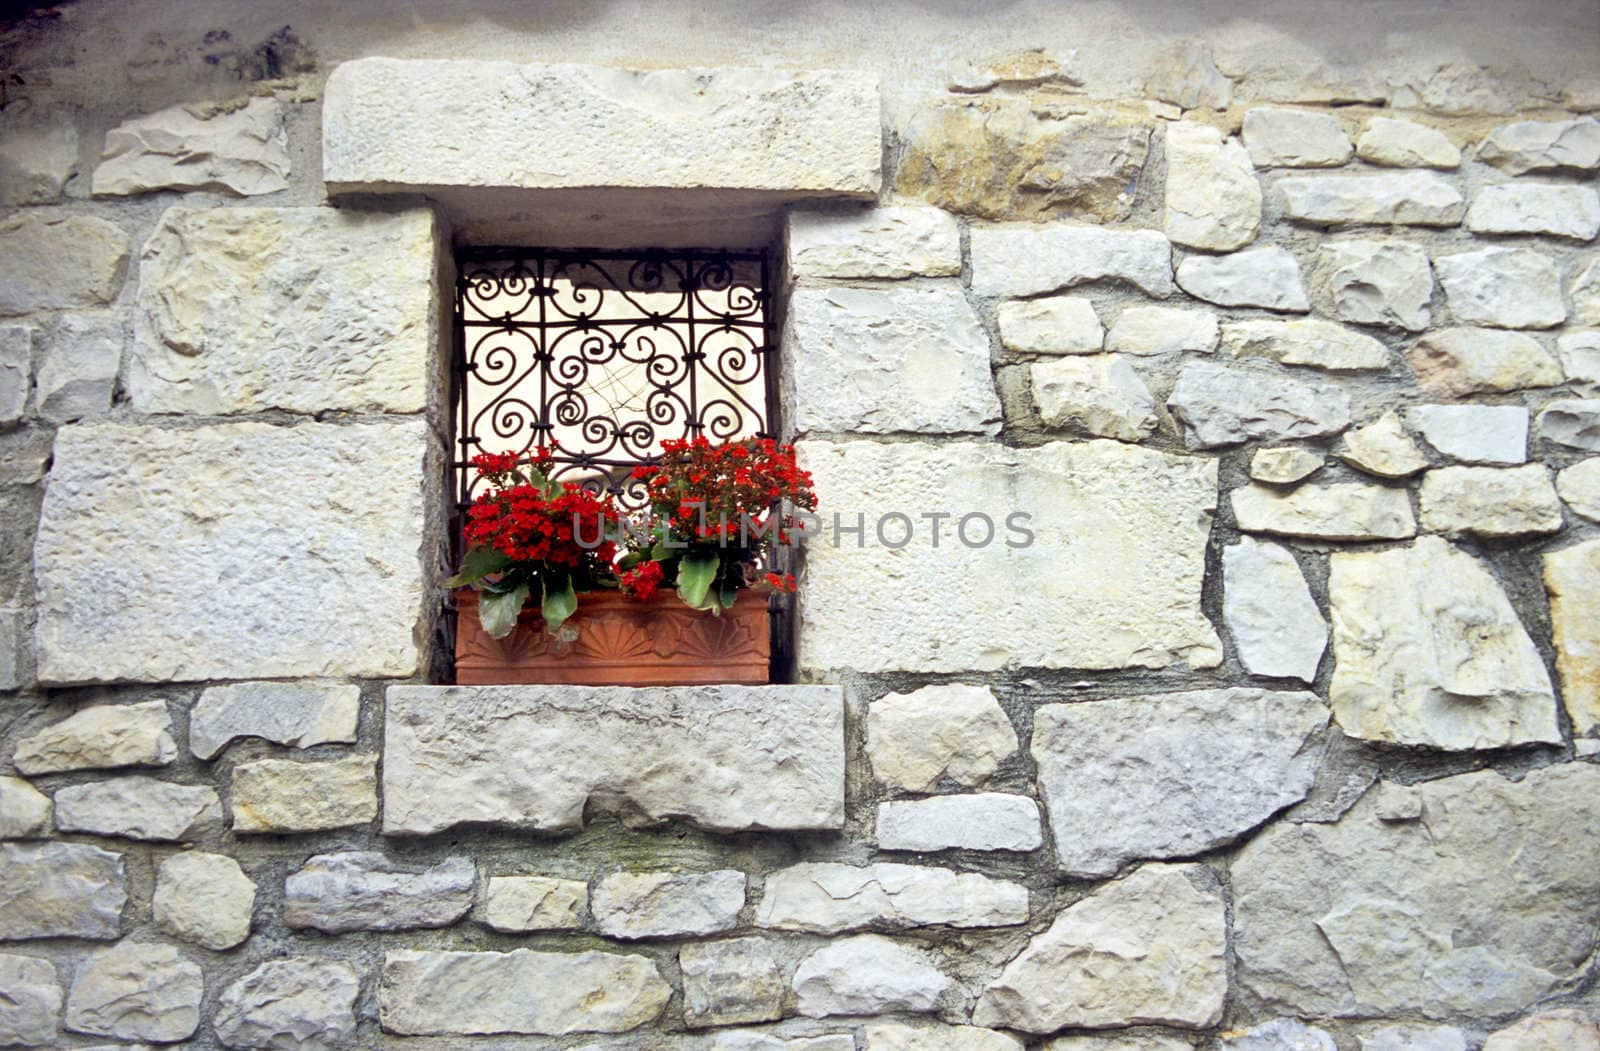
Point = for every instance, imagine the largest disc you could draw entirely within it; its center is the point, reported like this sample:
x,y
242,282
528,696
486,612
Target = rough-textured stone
x,y
107,735
534,903
1221,406
1383,448
1187,76
1502,287
1142,1042
1481,907
14,643
283,795
1474,433
892,1036
1428,651
1163,330
1294,138
1402,144
633,905
240,149
37,157
1536,146
396,125
1106,519
1579,486
299,714
1259,277
55,261
60,890
203,543
204,898
1586,295
984,821
1562,1030
1319,344
1285,465
1149,948
518,992
30,1001
1100,395
1025,259
300,1002
24,456
365,891
1213,199
1407,198
1270,613
1528,208
893,242
1457,361
1572,577
1374,283
867,975
825,898
1052,325
730,981
24,810
1580,356
1280,1034
944,730
884,360
136,991
16,371
727,758
339,307
1170,775
78,371
1029,68
1573,422
754,1040
138,808
1336,511
1416,1038
1490,501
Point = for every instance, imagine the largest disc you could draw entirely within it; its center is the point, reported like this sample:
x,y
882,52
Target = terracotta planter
x,y
618,641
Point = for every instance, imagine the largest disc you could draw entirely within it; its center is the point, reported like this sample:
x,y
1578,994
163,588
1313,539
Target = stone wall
x,y
1279,731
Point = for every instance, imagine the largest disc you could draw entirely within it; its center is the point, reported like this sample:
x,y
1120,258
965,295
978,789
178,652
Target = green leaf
x,y
498,612
549,486
479,563
663,551
631,559
559,605
696,573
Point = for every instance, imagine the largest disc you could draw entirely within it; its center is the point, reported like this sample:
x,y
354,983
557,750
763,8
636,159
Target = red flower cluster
x,y
779,582
528,520
643,582
702,490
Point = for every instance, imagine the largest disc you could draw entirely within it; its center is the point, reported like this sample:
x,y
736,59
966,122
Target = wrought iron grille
x,y
604,355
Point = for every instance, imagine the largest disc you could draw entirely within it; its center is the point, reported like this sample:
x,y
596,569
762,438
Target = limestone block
x,y
392,125
1573,422
1225,406
60,890
24,456
1029,68
15,625
1563,1030
1537,146
1280,1034
1170,775
1383,448
633,905
892,1036
78,372
522,991
1403,144
1149,948
1285,465
24,810
867,975
138,808
1314,343
1579,486
1113,550
1336,511
1530,208
1163,330
1141,1042
204,898
1025,259
1428,651
1213,200
534,903
1052,325
730,981
38,154
1294,138
826,898
1376,919
298,714
304,309
885,360
892,242
1454,362
944,730
1572,578
1100,395
365,891
1374,283
235,551
55,261
1187,76
1412,198
1474,433
982,821
1258,277
1502,288
299,1002
238,148
1274,621
104,736
283,795
726,758
1416,1038
1586,295
136,991
758,1040
1580,356
16,371
30,1001
1490,501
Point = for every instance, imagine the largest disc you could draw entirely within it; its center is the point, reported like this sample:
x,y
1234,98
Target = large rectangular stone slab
x,y
1110,579
725,758
236,551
